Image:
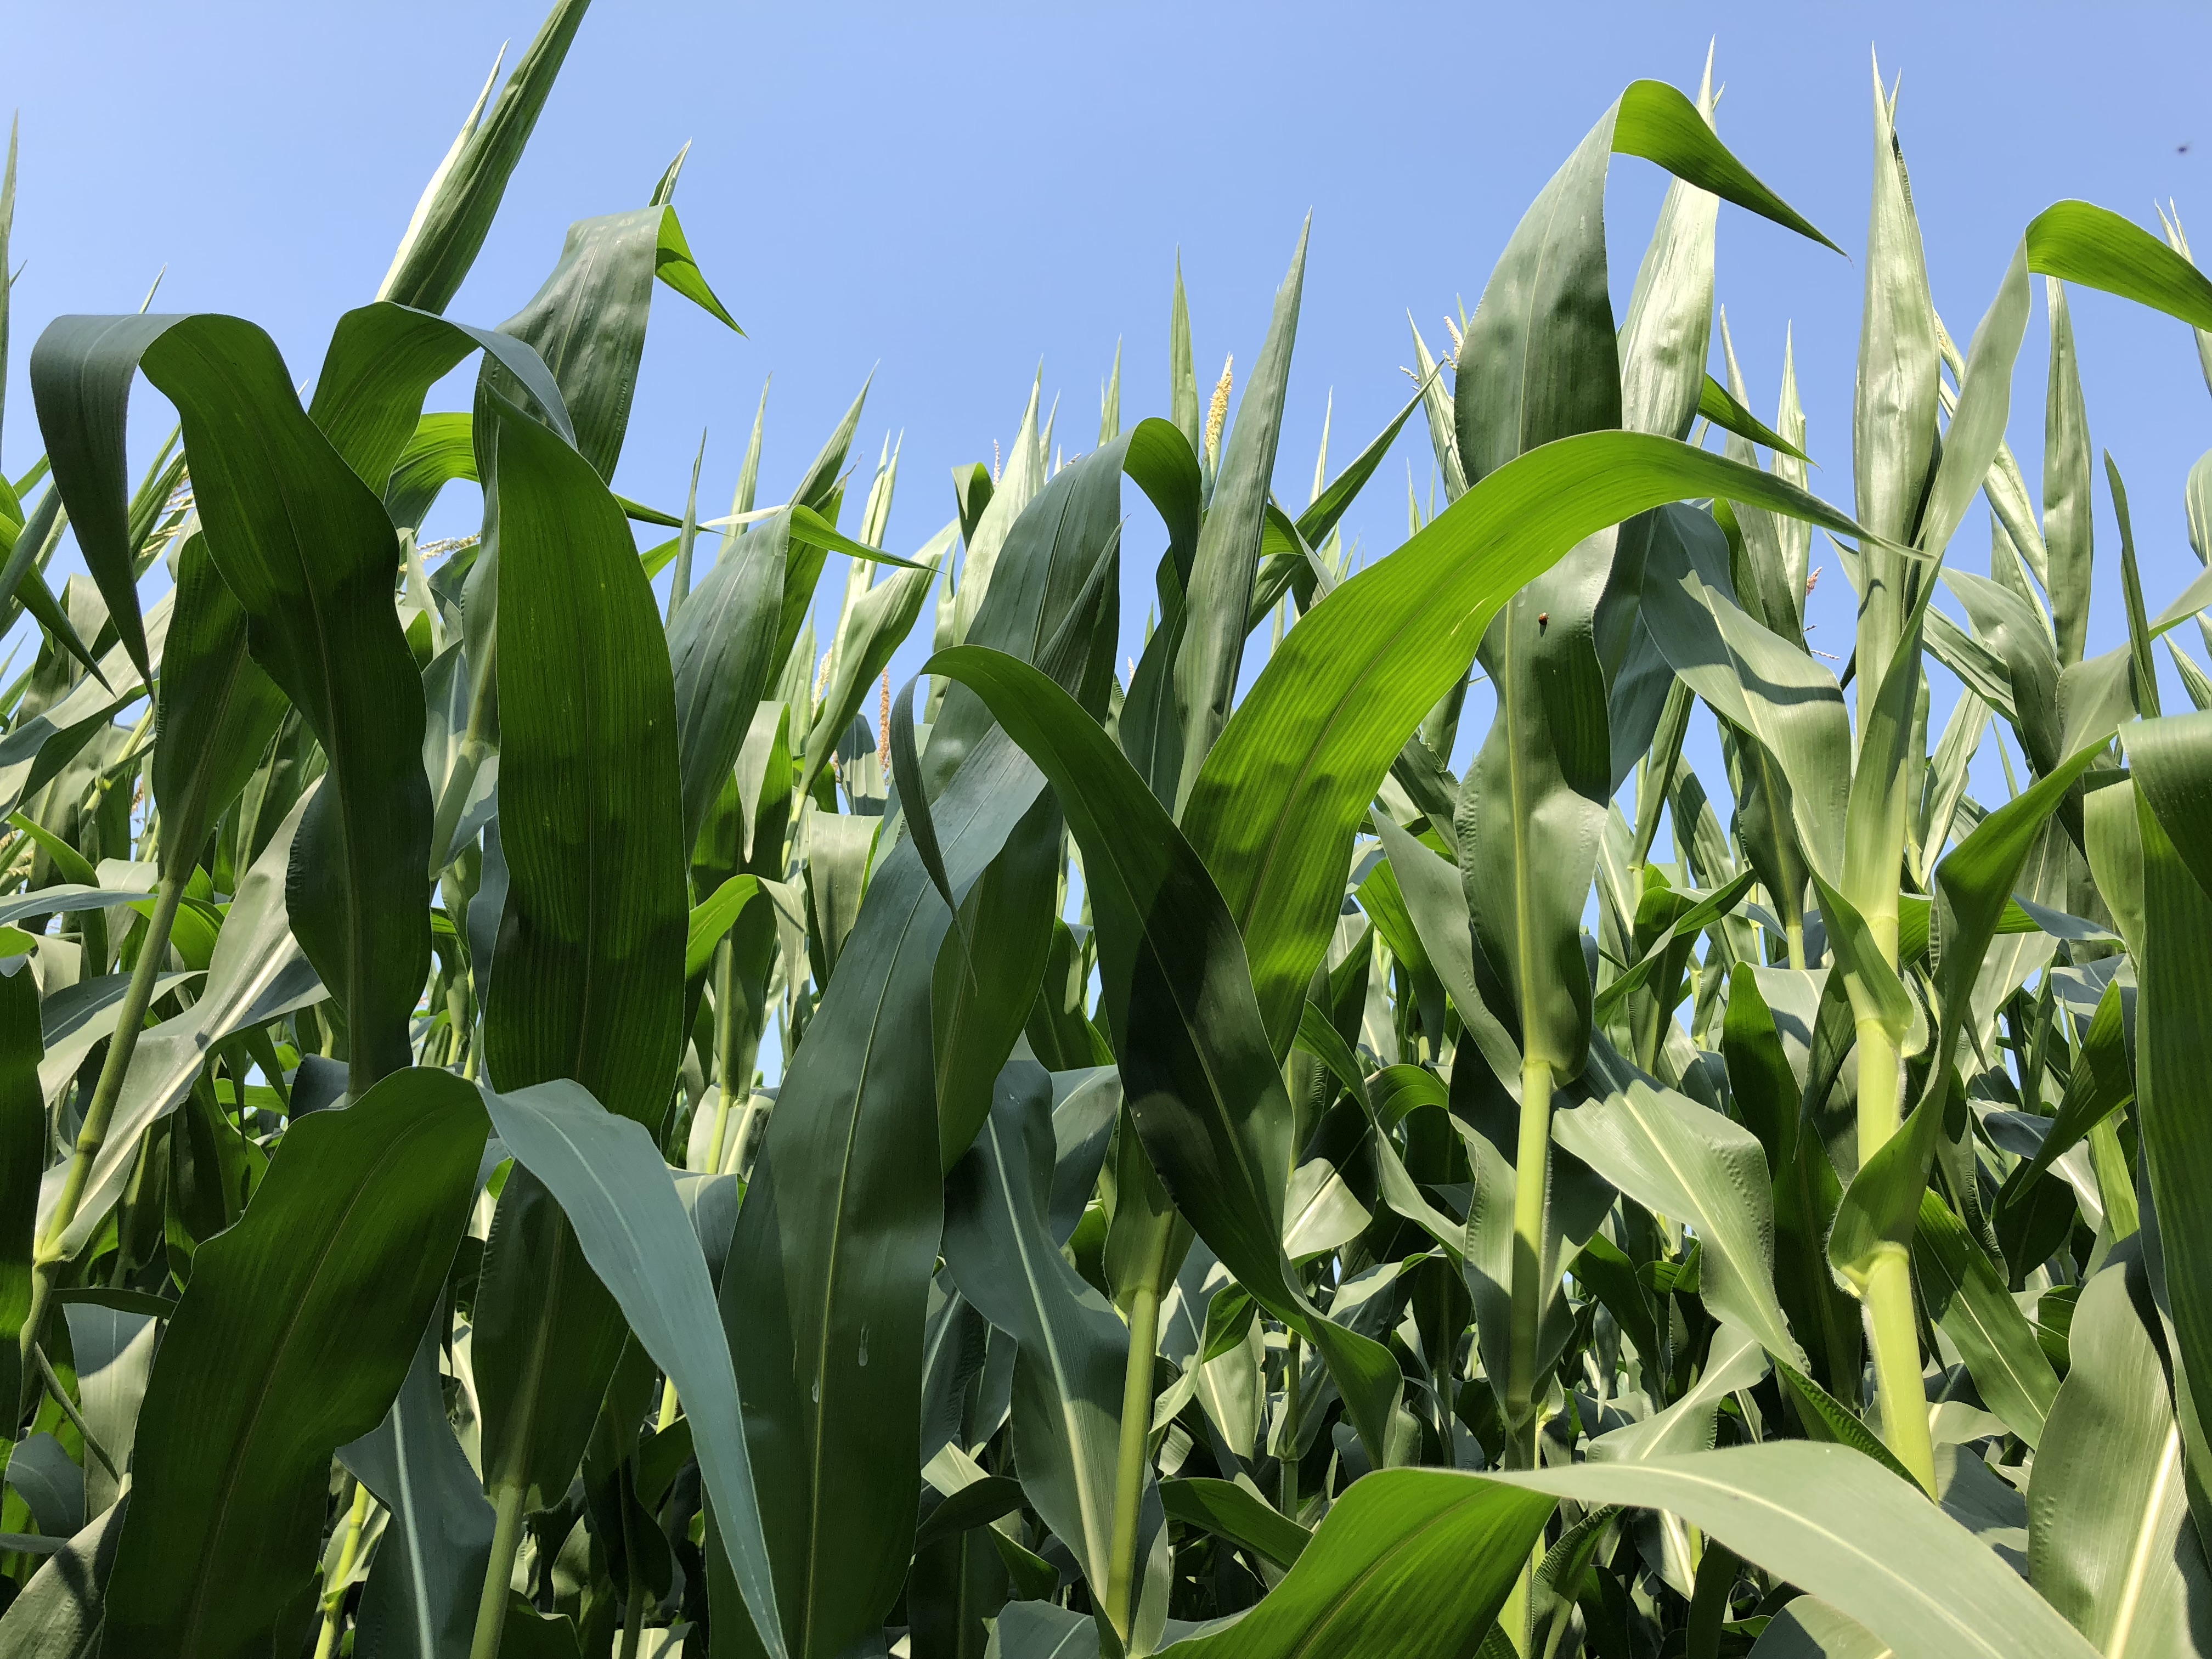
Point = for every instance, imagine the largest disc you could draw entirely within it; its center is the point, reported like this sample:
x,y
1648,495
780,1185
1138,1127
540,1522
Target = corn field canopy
x,y
547,1108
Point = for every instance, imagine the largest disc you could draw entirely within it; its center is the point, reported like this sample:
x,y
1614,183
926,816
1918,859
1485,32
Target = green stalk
x,y
1293,1408
725,1023
633,1599
508,1482
326,1643
1531,1202
130,1020
1893,1333
463,776
1136,1438
499,1572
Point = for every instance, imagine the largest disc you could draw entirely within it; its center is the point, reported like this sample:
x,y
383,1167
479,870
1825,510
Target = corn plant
x,y
544,1115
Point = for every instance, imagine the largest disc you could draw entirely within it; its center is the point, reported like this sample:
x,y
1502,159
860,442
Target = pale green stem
x,y
1293,1366
1893,1333
2109,1159
1531,1202
130,1020
1136,1440
1794,933
1531,1217
1514,1617
69,1409
348,1551
499,1572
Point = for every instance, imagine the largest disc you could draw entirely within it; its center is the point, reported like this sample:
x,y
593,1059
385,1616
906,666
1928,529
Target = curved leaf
x,y
1275,809
1202,1088
622,1203
345,1244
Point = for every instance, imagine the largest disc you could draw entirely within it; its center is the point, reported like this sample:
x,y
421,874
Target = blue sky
x,y
949,195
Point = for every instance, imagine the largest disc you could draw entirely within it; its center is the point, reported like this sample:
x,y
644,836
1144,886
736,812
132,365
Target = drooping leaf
x,y
1679,1159
619,1198
1067,1383
1203,1093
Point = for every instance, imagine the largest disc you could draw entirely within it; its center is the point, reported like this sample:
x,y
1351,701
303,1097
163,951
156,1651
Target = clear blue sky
x,y
948,194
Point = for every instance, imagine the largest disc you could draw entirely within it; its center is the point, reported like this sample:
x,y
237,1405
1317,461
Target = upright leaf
x,y
453,217
1217,597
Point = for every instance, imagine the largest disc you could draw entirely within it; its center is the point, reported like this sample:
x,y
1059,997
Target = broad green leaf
x,y
1658,123
590,981
59,1612
459,204
1809,1628
1967,1296
1893,414
1667,337
1532,808
840,1226
1758,681
40,747
2174,969
1291,777
23,584
216,713
2110,1541
591,962
881,618
1838,1526
341,1252
1717,404
843,1212
545,1338
383,359
1734,1360
1977,429
620,1202
1067,1383
988,973
1766,1071
1237,1514
2079,242
1218,593
305,545
423,1584
1680,1159
587,322
2102,1082
1407,1561
1973,884
1539,360
22,1161
1017,486
1436,903
257,973
1202,1087
722,646
712,919
1694,919
2009,625
1553,275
